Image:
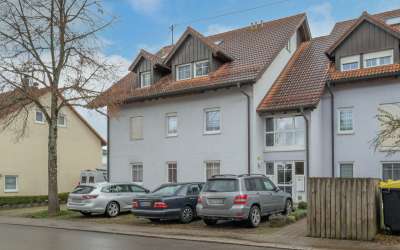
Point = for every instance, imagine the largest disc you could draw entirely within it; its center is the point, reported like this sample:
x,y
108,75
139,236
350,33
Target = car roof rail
x,y
223,175
244,175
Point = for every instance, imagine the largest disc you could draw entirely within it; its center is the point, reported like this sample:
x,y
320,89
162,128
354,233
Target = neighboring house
x,y
23,167
257,100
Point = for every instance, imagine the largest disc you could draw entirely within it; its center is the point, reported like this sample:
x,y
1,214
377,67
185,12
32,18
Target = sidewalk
x,y
290,237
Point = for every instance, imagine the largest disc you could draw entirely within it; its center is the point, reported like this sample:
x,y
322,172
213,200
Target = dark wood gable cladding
x,y
145,65
367,35
190,51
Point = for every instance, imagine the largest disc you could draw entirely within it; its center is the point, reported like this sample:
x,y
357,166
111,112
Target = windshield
x,y
221,185
83,190
167,190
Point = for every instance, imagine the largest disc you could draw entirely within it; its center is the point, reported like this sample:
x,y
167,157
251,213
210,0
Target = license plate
x,y
145,203
216,201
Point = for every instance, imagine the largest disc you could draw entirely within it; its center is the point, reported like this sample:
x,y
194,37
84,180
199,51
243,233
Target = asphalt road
x,y
14,237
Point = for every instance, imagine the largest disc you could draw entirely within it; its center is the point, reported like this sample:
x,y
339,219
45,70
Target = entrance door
x,y
285,176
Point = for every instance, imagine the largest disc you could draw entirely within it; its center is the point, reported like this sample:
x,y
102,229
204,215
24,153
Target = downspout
x,y
307,142
332,128
108,148
248,130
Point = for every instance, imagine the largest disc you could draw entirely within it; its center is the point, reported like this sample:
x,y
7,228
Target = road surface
x,y
13,237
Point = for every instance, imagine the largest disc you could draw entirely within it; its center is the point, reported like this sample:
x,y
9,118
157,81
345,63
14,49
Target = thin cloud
x,y
321,19
145,6
216,28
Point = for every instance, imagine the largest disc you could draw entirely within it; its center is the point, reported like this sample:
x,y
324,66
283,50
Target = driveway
x,y
15,237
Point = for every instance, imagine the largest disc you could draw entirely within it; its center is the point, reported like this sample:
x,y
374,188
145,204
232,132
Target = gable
x,y
367,37
191,50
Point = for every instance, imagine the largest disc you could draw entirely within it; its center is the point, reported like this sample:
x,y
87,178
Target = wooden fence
x,y
341,208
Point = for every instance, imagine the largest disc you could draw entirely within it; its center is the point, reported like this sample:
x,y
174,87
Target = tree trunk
x,y
54,206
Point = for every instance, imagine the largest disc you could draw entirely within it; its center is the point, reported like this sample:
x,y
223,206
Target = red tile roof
x,y
336,75
154,59
252,50
303,80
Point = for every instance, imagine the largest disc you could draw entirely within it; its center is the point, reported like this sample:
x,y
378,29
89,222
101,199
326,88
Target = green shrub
x,y
302,205
299,214
17,200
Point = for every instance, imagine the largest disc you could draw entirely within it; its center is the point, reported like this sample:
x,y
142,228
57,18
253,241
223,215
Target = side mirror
x,y
277,189
147,191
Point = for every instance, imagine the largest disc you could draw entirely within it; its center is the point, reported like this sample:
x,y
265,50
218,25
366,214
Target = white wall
x,y
190,148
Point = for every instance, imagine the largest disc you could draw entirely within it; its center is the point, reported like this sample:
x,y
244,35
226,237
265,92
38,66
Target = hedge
x,y
17,200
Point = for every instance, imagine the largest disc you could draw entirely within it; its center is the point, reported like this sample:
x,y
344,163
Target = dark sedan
x,y
169,202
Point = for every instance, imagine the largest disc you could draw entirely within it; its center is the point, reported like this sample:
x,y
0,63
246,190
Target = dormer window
x,y
201,68
378,58
184,72
350,63
145,79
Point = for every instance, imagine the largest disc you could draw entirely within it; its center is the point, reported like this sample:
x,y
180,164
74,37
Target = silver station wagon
x,y
241,197
104,198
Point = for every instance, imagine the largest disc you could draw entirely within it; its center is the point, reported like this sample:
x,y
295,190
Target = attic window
x,y
145,79
393,21
218,42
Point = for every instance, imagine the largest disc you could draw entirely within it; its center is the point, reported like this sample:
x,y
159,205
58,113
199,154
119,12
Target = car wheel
x,y
254,216
85,213
187,214
112,209
288,207
210,222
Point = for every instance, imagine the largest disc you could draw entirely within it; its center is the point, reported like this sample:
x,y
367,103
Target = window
x,y
350,63
10,183
145,79
201,68
222,185
137,172
39,117
269,186
183,72
255,184
345,121
346,170
378,58
391,171
172,172
212,168
136,128
62,121
289,45
83,179
212,121
193,190
91,179
299,168
284,132
172,124
136,189
269,166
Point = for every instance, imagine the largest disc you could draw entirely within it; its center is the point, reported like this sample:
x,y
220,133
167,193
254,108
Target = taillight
x,y
135,204
89,197
199,200
241,199
160,205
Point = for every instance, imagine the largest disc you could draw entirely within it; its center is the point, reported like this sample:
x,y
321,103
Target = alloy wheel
x,y
187,215
255,216
113,209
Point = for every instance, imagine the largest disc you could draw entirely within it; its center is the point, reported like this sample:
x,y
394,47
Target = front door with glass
x,y
285,176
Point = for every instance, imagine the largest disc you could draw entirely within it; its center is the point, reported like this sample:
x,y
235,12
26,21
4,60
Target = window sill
x,y
10,191
171,136
345,132
284,149
133,140
39,122
212,132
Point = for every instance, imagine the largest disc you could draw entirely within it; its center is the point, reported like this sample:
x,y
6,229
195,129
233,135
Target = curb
x,y
174,237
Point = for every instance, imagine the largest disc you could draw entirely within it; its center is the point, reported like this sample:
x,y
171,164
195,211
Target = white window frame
x,y
294,147
142,83
345,132
388,162
378,54
213,162
142,177
289,45
350,59
167,116
180,66
16,184
65,121
340,168
195,68
44,118
211,132
130,128
176,169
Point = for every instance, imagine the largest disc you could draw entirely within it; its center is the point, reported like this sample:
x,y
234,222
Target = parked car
x,y
104,198
242,197
169,201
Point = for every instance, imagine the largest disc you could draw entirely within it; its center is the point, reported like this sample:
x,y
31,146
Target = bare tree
x,y
388,138
51,45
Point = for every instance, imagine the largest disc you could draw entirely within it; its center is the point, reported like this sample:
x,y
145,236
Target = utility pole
x,y
171,28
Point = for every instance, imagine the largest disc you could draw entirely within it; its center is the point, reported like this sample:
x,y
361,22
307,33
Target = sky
x,y
145,23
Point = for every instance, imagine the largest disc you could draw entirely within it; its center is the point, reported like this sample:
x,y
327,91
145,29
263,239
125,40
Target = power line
x,y
173,26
